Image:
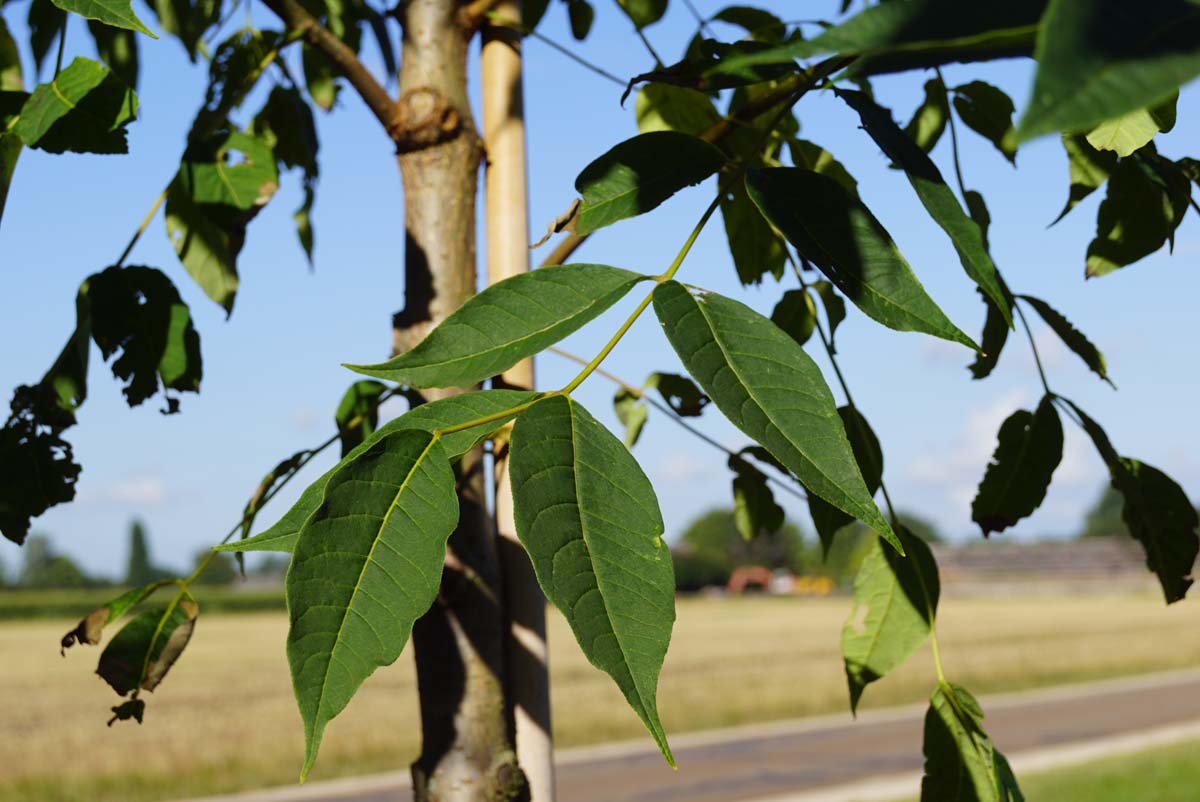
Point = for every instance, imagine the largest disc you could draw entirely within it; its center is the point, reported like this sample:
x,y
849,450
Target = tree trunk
x,y
527,686
466,752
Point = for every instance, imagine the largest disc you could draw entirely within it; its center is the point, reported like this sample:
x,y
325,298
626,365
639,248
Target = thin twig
x,y
501,22
137,235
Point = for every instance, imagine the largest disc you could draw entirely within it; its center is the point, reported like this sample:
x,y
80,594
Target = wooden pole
x,y
507,210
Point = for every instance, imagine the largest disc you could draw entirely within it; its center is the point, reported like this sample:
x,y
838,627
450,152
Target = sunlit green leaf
x,y
813,157
935,195
895,601
836,232
118,13
959,756
631,412
1130,132
367,564
929,120
762,26
443,413
988,111
643,12
85,109
507,322
1072,337
1103,59
89,629
639,174
1089,169
1029,450
320,78
828,519
662,107
588,517
769,388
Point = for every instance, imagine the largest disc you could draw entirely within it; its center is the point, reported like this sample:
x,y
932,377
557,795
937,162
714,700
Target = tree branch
x,y
342,58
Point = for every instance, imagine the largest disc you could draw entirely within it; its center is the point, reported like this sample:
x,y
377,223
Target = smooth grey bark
x,y
467,753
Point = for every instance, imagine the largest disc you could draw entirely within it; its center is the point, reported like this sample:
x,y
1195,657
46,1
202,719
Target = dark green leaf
x,y
137,311
890,37
1132,131
978,210
895,601
959,757
755,510
835,307
835,231
770,389
358,413
935,195
532,12
161,633
118,13
762,26
84,110
868,455
506,323
995,335
1157,512
89,629
37,467
589,519
1029,449
188,20
287,126
1010,791
796,314
988,111
211,201
643,12
753,244
233,72
118,49
631,412
1103,59
711,65
132,709
679,393
45,24
1071,337
1089,168
440,414
12,86
367,564
639,174
929,120
581,15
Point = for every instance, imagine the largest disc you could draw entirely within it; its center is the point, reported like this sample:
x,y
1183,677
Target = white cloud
x,y
144,489
681,467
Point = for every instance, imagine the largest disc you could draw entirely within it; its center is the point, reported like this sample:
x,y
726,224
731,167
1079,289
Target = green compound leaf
x,y
1132,131
1100,60
662,107
589,519
836,232
507,322
358,413
796,314
1072,337
1089,169
440,414
1029,449
161,633
988,111
768,387
828,519
83,110
935,195
1142,207
367,564
929,120
960,761
895,602
117,13
639,174
753,244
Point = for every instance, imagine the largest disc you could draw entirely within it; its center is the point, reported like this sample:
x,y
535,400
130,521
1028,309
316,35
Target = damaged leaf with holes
x,y
140,655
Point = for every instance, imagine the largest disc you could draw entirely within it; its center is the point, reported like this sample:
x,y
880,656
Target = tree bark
x,y
527,686
466,751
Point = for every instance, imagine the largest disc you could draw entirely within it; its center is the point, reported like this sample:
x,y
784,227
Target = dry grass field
x,y
225,718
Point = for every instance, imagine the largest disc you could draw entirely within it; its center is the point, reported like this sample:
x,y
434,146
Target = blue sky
x,y
272,371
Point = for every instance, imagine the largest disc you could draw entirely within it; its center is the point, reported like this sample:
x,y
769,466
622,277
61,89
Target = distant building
x,y
1086,565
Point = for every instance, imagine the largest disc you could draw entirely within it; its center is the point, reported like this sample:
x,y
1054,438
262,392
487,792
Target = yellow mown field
x,y
225,718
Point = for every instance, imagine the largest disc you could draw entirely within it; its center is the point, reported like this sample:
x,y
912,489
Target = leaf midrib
x,y
367,562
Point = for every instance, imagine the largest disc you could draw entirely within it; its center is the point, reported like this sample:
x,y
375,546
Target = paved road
x,y
752,763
